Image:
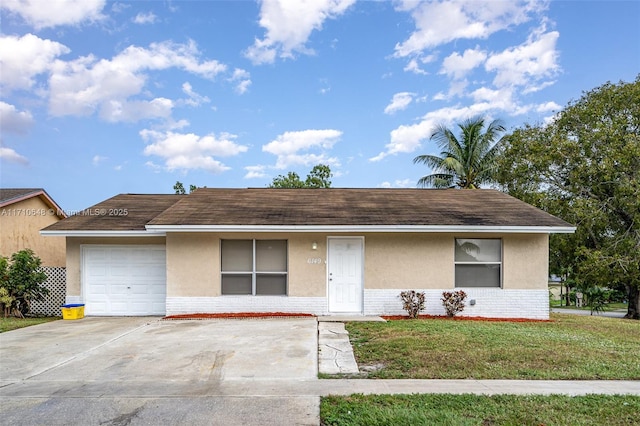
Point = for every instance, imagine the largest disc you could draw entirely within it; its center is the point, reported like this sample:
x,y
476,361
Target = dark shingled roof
x,y
382,207
9,196
312,207
110,215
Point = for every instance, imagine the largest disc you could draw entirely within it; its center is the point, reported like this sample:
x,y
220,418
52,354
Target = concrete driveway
x,y
128,371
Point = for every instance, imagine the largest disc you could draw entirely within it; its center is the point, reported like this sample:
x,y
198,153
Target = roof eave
x,y
365,228
102,233
54,207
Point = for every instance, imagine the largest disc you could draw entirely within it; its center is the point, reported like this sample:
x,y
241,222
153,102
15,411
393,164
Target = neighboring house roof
x,y
315,210
125,212
9,196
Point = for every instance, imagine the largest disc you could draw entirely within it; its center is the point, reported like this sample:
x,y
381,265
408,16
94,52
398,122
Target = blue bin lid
x,y
73,305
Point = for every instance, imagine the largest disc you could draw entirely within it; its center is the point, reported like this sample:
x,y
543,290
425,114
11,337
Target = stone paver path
x,y
335,352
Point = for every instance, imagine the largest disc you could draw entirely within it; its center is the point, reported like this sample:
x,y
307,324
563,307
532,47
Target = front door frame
x,y
360,309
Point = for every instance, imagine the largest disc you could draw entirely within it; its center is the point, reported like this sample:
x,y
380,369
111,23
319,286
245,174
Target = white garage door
x,y
124,280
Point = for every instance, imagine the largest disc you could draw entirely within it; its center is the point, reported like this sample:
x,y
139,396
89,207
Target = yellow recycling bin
x,y
72,311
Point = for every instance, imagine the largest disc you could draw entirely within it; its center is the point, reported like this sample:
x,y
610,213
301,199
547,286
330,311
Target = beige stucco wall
x,y
392,261
408,261
193,263
526,261
20,225
73,255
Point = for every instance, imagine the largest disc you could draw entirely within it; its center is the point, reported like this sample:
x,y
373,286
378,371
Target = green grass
x,y
569,347
439,409
11,323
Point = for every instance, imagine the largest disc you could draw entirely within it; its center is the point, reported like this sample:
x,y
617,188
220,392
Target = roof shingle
x,y
124,212
315,207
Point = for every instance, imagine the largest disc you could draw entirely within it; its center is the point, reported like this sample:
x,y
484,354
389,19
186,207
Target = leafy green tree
x,y
467,161
23,278
179,188
584,166
318,177
290,180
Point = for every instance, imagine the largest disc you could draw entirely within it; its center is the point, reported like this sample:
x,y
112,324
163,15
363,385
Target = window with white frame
x,y
478,262
254,267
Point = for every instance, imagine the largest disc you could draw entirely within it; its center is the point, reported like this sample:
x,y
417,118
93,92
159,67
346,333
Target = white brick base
x,y
490,302
234,304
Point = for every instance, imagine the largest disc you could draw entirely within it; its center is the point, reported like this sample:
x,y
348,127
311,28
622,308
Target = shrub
x,y
453,301
412,302
6,300
22,278
597,299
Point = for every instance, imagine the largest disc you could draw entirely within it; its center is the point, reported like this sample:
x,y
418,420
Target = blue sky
x,y
99,97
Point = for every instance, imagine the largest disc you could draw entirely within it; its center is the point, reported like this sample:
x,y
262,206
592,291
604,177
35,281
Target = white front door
x,y
345,274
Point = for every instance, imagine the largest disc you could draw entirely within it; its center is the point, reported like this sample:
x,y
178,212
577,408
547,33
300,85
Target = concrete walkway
x,y
335,354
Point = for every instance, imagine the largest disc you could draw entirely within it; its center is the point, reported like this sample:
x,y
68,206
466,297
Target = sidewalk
x,y
617,313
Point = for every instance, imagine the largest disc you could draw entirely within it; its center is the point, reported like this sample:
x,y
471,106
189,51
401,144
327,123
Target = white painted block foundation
x,y
237,304
490,303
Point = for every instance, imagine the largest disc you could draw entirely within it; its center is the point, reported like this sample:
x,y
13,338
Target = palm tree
x,y
467,162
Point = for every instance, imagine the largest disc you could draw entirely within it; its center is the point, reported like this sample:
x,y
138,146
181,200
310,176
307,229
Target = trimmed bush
x,y
453,301
412,302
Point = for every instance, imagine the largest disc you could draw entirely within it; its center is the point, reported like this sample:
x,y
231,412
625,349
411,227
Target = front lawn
x,y
567,348
439,409
12,323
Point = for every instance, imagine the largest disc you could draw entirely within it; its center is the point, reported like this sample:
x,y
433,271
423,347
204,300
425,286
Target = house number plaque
x,y
314,260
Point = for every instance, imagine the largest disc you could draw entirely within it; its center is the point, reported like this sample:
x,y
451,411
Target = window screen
x,y
254,267
478,262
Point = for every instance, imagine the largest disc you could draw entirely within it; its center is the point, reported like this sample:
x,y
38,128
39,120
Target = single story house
x,y
317,251
23,213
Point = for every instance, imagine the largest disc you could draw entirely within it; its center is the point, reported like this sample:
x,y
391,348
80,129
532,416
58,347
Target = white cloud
x,y
399,102
14,121
457,66
487,82
43,14
11,156
97,159
82,86
187,151
155,168
255,172
195,99
398,183
325,86
440,22
531,61
135,110
408,138
548,107
414,67
25,57
289,24
242,78
292,148
145,18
